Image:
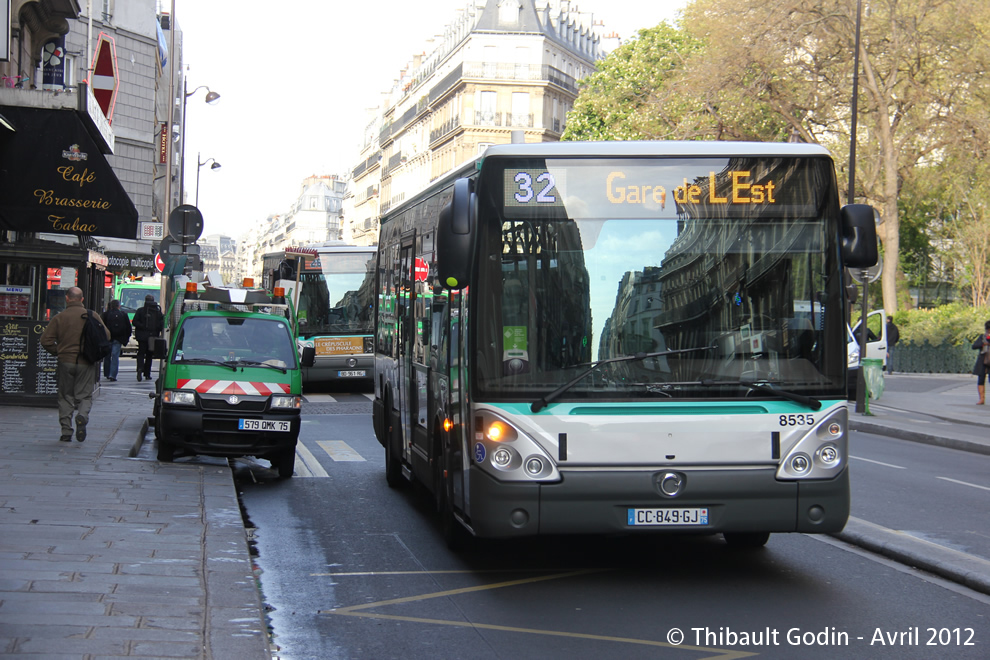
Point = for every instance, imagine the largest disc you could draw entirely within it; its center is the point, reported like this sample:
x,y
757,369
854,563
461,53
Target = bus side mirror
x,y
308,356
456,232
859,236
160,349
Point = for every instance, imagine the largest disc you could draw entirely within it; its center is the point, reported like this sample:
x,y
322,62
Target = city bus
x,y
332,290
602,338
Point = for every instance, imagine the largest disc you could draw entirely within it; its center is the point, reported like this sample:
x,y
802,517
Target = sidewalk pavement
x,y
950,419
107,555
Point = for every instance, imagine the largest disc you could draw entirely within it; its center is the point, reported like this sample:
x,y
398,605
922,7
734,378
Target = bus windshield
x,y
336,294
726,260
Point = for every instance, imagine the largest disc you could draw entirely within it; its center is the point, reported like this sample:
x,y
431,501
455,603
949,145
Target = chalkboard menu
x,y
27,371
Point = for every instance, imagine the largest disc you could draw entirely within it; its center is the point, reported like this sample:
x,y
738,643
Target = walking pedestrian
x,y
75,375
148,322
120,332
893,336
982,344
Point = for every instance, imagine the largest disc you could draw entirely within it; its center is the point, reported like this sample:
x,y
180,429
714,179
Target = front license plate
x,y
662,517
350,374
263,425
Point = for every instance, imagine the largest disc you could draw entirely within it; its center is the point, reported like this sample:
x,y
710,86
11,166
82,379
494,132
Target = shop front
x,y
58,195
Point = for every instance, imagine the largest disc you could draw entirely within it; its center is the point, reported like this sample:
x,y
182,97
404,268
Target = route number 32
x,y
545,182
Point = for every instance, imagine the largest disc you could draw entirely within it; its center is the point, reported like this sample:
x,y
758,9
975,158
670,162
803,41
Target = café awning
x,y
54,178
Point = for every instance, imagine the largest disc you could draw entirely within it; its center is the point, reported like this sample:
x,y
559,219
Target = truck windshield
x,y
236,339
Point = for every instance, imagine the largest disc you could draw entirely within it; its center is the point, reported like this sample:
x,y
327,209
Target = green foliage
x,y
956,324
628,97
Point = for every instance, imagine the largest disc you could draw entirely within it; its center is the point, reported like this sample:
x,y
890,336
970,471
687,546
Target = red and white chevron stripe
x,y
241,387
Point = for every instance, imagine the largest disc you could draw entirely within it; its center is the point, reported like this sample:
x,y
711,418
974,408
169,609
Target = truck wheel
x,y
285,461
166,452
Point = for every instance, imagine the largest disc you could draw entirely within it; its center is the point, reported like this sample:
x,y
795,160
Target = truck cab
x,y
230,382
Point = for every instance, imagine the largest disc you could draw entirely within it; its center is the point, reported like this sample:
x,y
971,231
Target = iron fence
x,y
926,358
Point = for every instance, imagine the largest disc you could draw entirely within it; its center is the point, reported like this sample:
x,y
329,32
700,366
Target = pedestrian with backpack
x,y
75,374
120,332
148,322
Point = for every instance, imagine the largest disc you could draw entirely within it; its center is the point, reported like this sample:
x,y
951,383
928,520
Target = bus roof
x,y
660,148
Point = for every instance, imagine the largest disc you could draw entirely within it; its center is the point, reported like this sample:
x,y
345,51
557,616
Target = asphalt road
x,y
353,569
933,493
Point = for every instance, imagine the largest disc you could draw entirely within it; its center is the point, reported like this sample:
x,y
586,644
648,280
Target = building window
x,y
486,108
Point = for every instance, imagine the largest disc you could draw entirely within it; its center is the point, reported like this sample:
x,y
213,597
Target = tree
x,y
628,97
745,69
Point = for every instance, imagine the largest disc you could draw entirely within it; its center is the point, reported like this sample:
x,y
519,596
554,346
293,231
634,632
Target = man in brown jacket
x,y
76,375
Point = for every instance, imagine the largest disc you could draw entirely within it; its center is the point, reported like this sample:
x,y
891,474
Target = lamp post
x,y
199,166
211,99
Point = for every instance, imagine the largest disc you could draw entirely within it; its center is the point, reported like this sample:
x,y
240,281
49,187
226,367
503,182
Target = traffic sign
x,y
421,271
185,224
104,81
159,264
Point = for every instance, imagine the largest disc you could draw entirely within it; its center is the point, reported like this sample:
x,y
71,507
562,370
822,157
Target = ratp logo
x,y
74,154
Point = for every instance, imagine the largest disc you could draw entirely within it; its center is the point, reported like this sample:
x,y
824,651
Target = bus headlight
x,y
828,455
508,453
800,463
179,398
286,402
820,452
502,458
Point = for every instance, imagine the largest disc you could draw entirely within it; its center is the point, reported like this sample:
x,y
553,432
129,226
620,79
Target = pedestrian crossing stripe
x,y
241,387
339,450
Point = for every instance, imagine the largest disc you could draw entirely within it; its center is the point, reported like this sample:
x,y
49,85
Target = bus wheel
x,y
393,468
746,540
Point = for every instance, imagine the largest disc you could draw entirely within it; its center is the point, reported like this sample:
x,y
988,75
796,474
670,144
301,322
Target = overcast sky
x,y
295,78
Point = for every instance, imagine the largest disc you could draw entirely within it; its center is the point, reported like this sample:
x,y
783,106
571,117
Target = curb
x,y
136,447
970,571
917,436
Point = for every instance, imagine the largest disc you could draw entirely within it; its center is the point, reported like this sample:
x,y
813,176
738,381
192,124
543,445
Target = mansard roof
x,y
528,21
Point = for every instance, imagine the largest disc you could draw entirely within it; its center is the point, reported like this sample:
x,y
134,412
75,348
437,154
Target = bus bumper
x,y
359,368
598,502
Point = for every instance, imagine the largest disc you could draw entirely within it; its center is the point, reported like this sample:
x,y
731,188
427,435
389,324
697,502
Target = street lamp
x,y
199,166
211,99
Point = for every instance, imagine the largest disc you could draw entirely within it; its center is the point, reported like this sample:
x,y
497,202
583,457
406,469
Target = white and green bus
x,y
600,338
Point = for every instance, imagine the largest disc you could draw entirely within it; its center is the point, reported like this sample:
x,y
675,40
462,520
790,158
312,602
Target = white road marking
x,y
859,458
339,450
319,398
964,483
311,465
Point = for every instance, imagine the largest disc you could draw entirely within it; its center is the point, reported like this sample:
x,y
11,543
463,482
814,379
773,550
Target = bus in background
x,y
600,338
332,290
131,295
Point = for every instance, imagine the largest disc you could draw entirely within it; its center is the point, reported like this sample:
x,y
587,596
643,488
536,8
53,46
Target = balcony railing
x,y
444,128
507,120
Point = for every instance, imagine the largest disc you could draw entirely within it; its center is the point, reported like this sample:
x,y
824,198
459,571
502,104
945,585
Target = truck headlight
x,y
179,398
286,402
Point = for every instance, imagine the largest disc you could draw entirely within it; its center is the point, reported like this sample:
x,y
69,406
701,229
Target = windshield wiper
x,y
208,361
253,363
767,388
543,402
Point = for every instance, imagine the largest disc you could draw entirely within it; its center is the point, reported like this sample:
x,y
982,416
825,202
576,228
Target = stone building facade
x,y
501,67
